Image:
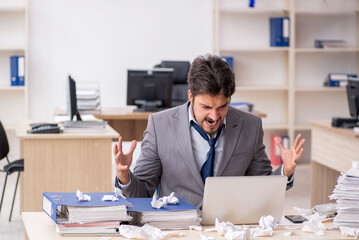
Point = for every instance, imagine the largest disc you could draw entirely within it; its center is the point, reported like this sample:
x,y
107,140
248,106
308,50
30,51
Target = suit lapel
x,y
233,130
180,129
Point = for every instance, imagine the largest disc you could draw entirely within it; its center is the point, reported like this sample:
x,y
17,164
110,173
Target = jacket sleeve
x,y
148,170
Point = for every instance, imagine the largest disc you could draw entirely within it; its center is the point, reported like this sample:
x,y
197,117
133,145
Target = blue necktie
x,y
207,168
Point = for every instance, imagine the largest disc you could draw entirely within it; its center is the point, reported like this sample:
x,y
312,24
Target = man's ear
x,y
190,96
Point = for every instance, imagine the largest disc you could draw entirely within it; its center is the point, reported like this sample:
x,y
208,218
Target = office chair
x,y
11,167
180,85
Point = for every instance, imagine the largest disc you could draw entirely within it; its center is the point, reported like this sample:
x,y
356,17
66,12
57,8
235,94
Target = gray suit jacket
x,y
167,159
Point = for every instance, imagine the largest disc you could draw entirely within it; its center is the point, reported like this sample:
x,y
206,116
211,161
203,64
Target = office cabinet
x,y
287,82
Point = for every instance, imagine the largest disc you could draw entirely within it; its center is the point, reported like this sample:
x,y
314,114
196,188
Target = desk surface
x,y
327,125
39,226
23,126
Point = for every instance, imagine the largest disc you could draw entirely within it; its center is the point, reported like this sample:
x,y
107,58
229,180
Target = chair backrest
x,y
4,144
181,69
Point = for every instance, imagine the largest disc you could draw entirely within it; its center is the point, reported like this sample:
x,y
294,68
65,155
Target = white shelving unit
x,y
13,99
287,82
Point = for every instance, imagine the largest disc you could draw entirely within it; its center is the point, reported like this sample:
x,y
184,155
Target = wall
x,y
98,40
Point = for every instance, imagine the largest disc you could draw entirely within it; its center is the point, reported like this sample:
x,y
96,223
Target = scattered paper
x,y
203,237
130,231
196,228
109,198
157,203
267,222
118,192
347,231
223,227
302,211
171,199
147,232
163,201
231,231
288,234
151,233
82,197
314,225
260,232
241,234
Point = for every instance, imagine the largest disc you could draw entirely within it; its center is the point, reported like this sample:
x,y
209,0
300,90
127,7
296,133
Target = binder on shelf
x,y
57,205
245,106
329,43
275,158
17,70
279,32
21,70
229,60
338,79
14,71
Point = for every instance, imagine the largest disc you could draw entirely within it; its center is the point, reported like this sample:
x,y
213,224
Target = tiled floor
x,y
14,230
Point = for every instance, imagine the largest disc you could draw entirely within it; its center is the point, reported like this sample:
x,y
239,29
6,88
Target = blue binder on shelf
x,y
229,60
279,32
338,79
21,70
14,79
53,201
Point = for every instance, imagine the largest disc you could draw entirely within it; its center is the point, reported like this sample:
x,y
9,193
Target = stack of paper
x,y
92,228
84,126
176,216
88,97
73,216
346,193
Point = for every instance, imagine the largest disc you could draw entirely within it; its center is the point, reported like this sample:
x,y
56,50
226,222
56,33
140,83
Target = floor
x,y
14,230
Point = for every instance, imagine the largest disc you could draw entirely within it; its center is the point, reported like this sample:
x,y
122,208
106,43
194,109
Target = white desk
x,y
63,162
333,150
40,226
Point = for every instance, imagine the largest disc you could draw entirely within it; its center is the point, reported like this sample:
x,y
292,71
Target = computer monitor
x,y
150,90
353,97
72,100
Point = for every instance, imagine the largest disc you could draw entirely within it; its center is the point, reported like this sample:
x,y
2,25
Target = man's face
x,y
209,111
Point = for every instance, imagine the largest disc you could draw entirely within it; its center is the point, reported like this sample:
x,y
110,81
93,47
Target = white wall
x,y
97,40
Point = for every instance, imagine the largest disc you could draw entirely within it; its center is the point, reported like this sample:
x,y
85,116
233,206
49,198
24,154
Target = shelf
x,y
304,127
325,12
318,89
275,126
12,8
325,50
257,11
261,88
12,88
252,49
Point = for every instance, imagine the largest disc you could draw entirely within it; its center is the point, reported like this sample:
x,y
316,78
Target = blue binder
x,y
229,60
279,32
144,205
14,71
21,70
51,201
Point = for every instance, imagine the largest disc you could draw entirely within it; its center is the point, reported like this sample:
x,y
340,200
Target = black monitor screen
x,y
150,90
353,97
72,101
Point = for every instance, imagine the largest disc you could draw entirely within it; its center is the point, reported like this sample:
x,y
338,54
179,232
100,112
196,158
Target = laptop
x,y
244,199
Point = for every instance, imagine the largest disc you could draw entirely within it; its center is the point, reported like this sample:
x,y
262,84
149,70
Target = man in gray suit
x,y
204,137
